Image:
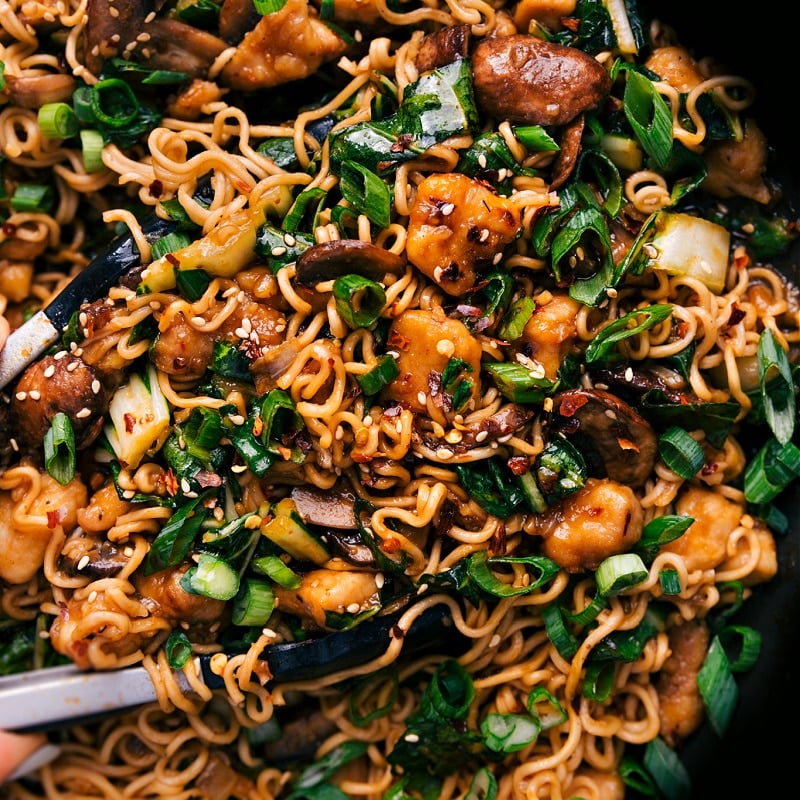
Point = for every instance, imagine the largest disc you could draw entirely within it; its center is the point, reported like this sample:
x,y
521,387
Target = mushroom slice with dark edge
x,y
39,90
443,47
329,260
521,78
614,438
56,384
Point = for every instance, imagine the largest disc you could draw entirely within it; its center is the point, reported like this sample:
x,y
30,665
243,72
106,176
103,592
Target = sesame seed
x,y
497,258
237,419
353,608
444,454
278,251
239,468
50,371
241,333
21,395
59,355
422,398
547,405
495,640
127,552
95,386
185,485
379,580
437,273
484,235
247,325
35,394
82,319
92,597
14,445
444,347
482,160
423,587
411,737
448,209
629,374
83,562
481,436
83,413
72,366
289,240
128,494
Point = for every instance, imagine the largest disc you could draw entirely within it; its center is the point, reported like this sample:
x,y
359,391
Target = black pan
x,y
755,754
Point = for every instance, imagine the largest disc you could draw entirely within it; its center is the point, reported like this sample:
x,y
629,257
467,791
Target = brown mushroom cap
x,y
66,384
329,260
610,431
525,79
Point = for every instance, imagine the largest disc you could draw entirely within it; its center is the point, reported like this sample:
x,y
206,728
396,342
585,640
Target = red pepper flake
x,y
9,228
627,444
55,517
519,465
391,545
130,422
173,259
571,403
710,468
397,341
258,425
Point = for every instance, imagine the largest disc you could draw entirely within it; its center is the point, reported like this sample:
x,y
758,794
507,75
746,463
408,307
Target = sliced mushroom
x,y
106,35
38,90
525,79
172,45
300,737
52,385
569,150
330,508
443,47
103,559
329,260
616,440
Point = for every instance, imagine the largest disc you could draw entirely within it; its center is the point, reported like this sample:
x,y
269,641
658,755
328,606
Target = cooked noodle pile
x,y
446,319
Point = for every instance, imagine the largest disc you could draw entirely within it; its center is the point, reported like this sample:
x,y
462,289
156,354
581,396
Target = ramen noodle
x,y
464,307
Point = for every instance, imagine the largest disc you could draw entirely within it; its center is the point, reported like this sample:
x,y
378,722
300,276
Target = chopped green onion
x,y
59,449
777,387
508,733
382,374
32,197
618,573
516,382
598,681
516,318
670,581
265,7
113,103
717,687
57,120
366,192
770,471
546,707
563,640
254,603
92,148
541,571
536,138
660,531
192,283
276,570
749,641
178,649
359,300
681,452
168,244
666,770
649,117
483,786
625,327
211,577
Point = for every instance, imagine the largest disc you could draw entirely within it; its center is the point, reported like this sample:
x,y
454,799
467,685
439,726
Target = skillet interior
x,y
764,49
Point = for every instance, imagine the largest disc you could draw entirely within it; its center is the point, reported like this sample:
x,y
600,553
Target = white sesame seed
x,y
353,608
495,640
484,235
278,251
50,371
481,436
379,580
237,419
128,494
247,325
629,374
448,209
35,394
95,386
289,240
92,597
239,468
498,257
83,562
185,485
437,274
444,454
83,413
241,333
127,552
482,160
21,395
59,355
411,737
72,366
422,398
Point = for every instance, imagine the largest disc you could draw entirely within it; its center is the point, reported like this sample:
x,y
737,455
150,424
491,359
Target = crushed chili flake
x,y
569,405
627,444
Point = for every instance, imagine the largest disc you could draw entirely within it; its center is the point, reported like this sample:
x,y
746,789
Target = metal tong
x,y
49,698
